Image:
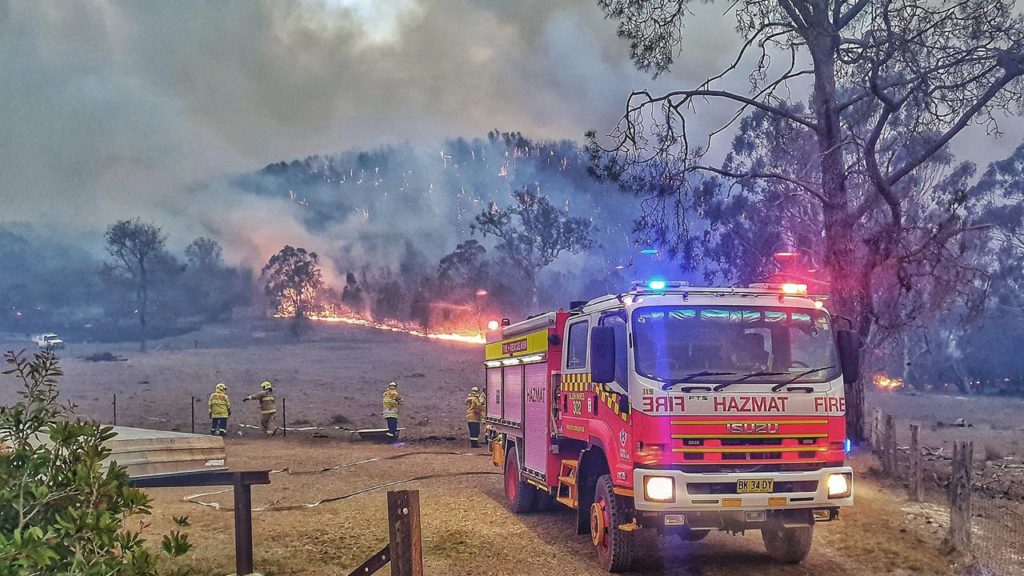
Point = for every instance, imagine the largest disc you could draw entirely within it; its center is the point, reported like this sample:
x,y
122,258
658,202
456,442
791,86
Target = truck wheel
x,y
520,497
607,513
787,545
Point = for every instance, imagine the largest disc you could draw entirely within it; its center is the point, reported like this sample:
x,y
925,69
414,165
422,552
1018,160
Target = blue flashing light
x,y
657,284
848,445
649,251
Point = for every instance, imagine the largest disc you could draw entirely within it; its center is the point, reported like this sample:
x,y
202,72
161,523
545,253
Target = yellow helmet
x,y
266,385
222,387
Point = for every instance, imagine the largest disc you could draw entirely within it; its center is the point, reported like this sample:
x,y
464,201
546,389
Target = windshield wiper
x,y
746,377
690,377
781,385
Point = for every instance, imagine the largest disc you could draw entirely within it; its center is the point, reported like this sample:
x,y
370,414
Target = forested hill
x,y
429,196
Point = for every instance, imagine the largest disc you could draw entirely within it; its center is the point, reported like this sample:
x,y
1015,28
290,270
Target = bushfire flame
x,y
883,382
345,317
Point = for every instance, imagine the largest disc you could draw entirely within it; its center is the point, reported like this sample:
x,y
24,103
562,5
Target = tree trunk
x,y
840,252
143,303
534,297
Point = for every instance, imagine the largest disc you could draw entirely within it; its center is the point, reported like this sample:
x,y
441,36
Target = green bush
x,y
61,511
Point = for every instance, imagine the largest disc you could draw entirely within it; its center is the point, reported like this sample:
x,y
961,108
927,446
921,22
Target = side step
x,y
567,490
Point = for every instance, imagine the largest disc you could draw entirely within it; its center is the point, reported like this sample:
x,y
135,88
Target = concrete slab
x,y
144,452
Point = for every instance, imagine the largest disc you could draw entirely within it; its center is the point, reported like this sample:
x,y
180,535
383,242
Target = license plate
x,y
755,486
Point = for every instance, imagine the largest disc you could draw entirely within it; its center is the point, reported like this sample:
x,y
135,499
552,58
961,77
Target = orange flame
x,y
883,382
341,316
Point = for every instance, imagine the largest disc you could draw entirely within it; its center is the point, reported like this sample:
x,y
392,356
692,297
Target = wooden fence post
x,y
916,480
876,430
889,450
404,527
959,538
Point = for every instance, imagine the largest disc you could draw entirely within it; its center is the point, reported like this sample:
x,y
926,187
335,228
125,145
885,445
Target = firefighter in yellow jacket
x,y
474,415
392,400
220,409
268,408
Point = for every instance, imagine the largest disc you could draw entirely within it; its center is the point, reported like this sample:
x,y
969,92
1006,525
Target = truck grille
x,y
789,444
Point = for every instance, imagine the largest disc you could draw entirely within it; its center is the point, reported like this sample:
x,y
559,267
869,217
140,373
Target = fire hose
x,y
193,499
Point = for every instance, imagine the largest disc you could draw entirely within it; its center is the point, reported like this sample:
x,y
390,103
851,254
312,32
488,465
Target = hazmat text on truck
x,y
678,410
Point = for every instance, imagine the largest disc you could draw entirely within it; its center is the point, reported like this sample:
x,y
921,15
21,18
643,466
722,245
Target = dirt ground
x,y
333,380
467,531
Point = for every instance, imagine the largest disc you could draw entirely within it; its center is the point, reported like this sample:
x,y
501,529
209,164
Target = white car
x,y
49,341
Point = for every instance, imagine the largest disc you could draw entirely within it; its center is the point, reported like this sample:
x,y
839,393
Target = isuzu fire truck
x,y
679,410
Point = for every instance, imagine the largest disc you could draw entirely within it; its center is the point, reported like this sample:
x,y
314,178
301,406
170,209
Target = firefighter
x,y
392,400
268,409
474,415
220,409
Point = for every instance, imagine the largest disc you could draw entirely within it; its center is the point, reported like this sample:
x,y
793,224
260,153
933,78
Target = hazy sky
x,y
116,109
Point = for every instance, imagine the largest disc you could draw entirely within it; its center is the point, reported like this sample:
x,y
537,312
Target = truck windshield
x,y
766,344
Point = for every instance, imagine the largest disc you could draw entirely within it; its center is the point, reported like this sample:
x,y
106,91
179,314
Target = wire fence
x,y
985,499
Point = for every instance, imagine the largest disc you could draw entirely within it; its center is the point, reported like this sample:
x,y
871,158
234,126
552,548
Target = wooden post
x,y
404,527
243,528
959,538
115,408
889,450
916,473
193,406
284,418
876,431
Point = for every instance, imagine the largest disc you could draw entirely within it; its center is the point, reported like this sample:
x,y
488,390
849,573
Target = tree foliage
x,y
61,512
293,279
532,233
892,82
135,249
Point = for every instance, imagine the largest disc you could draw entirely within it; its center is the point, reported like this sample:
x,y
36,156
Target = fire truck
x,y
677,410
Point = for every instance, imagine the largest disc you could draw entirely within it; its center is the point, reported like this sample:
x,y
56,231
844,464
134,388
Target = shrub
x,y
61,512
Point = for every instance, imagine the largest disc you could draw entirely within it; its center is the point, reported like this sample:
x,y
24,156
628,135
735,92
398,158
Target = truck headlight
x,y
659,489
838,485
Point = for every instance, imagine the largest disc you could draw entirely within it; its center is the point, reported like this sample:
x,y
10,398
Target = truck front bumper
x,y
705,492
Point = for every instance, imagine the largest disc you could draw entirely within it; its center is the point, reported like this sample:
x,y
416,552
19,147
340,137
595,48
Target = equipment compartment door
x,y
494,393
537,418
512,394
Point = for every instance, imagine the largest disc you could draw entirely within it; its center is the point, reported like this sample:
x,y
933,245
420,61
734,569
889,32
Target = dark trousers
x,y
474,433
219,426
392,429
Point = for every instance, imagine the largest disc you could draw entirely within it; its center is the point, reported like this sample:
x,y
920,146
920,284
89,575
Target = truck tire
x,y
787,545
520,496
607,513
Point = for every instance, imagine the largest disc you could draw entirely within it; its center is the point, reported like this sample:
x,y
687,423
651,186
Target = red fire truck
x,y
679,410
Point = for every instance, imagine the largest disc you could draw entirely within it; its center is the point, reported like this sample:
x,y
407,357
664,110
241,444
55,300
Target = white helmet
x,y
474,389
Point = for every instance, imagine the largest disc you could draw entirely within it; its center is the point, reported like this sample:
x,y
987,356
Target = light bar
x,y
533,358
794,288
492,363
510,361
657,284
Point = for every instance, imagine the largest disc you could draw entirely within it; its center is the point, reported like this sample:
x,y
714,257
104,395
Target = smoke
x,y
114,110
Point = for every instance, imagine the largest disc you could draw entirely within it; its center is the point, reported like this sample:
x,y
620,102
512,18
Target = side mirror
x,y
602,354
849,354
